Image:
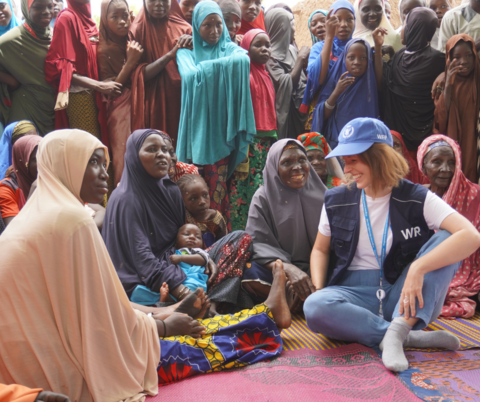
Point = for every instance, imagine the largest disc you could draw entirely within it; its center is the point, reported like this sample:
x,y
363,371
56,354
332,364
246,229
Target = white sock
x,y
432,339
393,356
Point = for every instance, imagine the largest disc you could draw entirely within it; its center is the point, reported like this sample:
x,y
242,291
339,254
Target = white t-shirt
x,y
435,210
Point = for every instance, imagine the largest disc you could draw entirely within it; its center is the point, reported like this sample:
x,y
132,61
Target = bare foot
x,y
277,301
181,324
213,309
205,311
164,292
193,304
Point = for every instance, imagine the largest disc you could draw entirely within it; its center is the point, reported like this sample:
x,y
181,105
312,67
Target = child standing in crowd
x,y
248,176
217,122
198,212
286,68
440,7
252,16
232,15
316,26
156,84
117,58
339,26
187,7
8,20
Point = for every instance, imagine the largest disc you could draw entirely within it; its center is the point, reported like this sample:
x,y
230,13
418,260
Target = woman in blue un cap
x,y
377,264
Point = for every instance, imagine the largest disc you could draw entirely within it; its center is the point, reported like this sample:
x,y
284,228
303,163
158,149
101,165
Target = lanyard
x,y
381,260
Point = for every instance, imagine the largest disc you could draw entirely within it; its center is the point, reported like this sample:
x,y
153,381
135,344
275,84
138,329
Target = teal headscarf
x,y
314,38
13,22
217,118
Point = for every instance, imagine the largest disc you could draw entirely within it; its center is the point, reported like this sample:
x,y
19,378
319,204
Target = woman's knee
x,y
320,306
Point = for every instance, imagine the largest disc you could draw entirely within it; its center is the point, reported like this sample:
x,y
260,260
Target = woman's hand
x,y
211,270
301,282
412,290
379,36
343,83
331,25
438,86
109,87
134,52
185,42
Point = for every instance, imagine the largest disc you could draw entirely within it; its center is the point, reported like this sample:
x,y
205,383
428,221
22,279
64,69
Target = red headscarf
x,y
257,23
72,51
464,197
157,104
414,175
21,151
261,88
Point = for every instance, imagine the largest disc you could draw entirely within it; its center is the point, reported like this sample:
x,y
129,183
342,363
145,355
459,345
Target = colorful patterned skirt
x,y
243,188
82,113
216,178
231,341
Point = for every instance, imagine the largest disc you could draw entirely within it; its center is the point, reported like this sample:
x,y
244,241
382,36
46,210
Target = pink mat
x,y
348,373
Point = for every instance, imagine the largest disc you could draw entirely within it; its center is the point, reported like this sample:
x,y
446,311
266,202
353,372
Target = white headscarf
x,y
66,323
361,31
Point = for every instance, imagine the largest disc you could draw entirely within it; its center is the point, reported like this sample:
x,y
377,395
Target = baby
x,y
191,257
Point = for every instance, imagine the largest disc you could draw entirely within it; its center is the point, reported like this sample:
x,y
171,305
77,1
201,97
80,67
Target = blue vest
x,y
409,229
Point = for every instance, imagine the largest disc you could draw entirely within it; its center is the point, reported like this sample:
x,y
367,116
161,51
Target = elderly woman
x,y
283,220
317,149
74,292
28,95
439,157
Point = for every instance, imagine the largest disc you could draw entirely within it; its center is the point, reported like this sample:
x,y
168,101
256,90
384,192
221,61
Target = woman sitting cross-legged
x,y
143,217
283,220
78,330
440,159
381,274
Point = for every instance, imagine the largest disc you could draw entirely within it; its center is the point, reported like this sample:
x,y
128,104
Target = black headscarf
x,y
408,80
141,224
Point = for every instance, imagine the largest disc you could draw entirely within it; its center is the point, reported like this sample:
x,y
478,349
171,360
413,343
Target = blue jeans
x,y
349,311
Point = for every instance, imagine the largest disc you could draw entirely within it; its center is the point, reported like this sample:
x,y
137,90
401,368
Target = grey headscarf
x,y
230,7
290,122
284,222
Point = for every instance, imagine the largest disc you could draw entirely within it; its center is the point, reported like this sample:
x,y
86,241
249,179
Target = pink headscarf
x,y
261,88
464,197
21,151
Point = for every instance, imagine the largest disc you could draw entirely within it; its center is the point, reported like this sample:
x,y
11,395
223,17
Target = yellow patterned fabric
x,y
82,113
230,341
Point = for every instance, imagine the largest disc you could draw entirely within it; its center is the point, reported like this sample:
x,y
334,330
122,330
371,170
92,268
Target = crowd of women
x,y
191,174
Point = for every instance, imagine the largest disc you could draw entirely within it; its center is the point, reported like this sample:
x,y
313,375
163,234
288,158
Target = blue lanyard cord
x,y
380,260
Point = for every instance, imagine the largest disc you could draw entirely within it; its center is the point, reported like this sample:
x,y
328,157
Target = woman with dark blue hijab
x,y
143,217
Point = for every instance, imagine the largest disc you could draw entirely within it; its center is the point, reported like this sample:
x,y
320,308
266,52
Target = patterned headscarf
x,y
22,127
314,141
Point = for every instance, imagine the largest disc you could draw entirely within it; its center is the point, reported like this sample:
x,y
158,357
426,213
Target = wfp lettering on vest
x,y
412,232
381,136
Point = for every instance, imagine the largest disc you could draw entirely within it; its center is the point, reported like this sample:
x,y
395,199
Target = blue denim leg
x,y
434,291
349,312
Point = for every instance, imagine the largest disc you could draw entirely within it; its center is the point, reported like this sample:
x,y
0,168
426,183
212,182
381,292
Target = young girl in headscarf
x,y
317,149
407,80
156,83
117,58
252,16
316,26
286,69
339,26
457,108
369,15
248,176
414,174
10,20
350,90
71,67
22,59
217,122
232,15
440,159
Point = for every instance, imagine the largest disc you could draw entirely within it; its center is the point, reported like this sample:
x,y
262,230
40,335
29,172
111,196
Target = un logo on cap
x,y
348,132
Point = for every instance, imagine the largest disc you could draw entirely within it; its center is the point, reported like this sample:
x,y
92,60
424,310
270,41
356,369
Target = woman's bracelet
x,y
328,106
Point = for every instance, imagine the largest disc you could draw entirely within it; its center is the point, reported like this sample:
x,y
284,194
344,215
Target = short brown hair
x,y
387,165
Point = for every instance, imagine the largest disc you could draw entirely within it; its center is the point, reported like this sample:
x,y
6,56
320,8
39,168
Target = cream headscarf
x,y
361,31
66,323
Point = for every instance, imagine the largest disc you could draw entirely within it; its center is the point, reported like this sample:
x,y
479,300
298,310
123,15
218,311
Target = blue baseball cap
x,y
359,135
